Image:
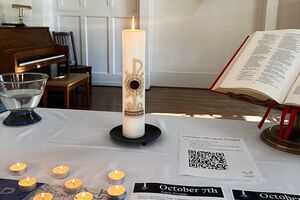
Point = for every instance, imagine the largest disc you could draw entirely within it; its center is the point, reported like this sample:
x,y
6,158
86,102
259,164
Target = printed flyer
x,y
252,195
161,191
216,157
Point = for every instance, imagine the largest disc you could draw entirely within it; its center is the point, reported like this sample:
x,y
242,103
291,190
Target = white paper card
x,y
161,191
216,157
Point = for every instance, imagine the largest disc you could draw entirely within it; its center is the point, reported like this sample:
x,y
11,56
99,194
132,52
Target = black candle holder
x,y
151,133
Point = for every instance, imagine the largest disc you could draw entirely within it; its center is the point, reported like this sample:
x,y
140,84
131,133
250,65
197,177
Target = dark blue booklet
x,y
2,108
9,190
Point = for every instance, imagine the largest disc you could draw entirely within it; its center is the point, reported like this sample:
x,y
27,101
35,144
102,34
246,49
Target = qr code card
x,y
216,157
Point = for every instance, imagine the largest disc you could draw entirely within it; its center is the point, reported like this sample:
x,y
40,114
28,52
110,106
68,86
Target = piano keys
x,y
29,48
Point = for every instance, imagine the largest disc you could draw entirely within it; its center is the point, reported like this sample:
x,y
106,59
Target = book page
x,y
269,64
293,97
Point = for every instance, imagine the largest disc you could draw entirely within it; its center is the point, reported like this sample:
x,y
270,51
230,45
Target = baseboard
x,y
165,79
105,79
181,79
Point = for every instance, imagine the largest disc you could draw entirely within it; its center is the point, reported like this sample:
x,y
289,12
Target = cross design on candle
x,y
135,87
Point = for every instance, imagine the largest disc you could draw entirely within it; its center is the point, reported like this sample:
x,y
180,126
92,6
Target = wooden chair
x,y
67,39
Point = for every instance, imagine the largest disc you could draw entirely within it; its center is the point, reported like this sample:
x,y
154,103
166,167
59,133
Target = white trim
x,y
105,79
182,79
40,60
271,14
146,15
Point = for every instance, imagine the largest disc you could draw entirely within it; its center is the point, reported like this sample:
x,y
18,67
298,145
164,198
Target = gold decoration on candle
x,y
134,84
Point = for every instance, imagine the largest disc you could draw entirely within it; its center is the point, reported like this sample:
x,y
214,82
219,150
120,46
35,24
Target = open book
x,y
267,66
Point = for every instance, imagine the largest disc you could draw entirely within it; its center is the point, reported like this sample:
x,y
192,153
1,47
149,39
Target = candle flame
x,y
116,172
133,23
61,167
28,179
18,164
83,195
117,187
43,195
73,181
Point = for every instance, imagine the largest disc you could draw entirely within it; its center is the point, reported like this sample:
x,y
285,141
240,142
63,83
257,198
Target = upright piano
x,y
29,48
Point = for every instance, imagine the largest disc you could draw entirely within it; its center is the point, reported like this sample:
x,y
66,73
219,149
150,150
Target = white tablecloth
x,y
80,139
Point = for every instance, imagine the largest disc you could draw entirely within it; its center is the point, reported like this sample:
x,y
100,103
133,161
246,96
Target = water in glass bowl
x,y
21,99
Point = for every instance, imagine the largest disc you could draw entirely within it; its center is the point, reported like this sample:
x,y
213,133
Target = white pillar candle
x,y
133,77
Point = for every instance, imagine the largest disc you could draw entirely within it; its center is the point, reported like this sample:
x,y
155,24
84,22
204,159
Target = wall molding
x,y
183,79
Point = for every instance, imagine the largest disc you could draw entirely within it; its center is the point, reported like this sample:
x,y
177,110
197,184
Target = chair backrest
x,y
66,39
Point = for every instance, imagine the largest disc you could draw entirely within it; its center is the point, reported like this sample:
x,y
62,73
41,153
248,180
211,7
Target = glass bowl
x,y
21,93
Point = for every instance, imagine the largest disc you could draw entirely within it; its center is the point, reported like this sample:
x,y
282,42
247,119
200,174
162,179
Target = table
x,y
81,140
66,84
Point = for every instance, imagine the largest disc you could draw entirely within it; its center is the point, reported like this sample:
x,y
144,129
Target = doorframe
x,y
146,17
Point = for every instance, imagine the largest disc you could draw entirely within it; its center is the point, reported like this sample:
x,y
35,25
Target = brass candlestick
x,y
271,135
21,8
292,145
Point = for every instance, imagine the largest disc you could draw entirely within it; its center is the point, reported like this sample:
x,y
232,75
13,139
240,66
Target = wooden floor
x,y
173,101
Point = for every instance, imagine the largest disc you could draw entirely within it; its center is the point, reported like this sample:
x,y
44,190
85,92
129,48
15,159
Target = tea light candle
x,y
60,172
84,196
18,169
116,192
116,177
43,196
27,184
73,185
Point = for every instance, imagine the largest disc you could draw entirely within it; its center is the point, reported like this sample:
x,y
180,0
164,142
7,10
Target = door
x,y
97,26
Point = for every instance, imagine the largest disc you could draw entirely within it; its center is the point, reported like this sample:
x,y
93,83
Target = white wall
x,y
288,14
191,40
194,39
40,15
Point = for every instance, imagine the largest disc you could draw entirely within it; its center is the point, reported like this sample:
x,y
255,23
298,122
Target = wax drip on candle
x,y
133,24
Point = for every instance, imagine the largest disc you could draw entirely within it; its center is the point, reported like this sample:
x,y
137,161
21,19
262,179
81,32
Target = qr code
x,y
207,160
